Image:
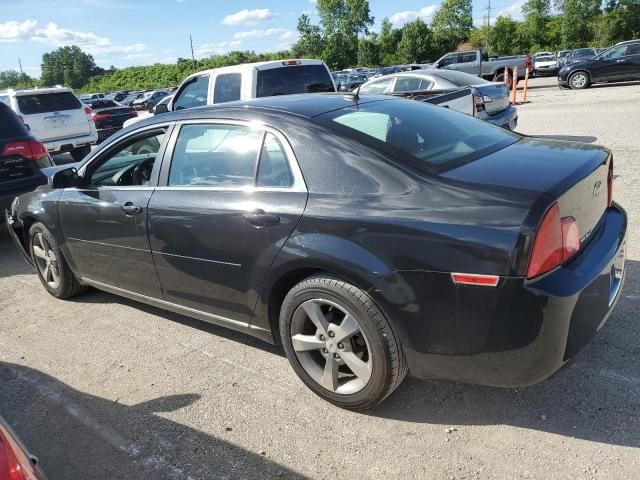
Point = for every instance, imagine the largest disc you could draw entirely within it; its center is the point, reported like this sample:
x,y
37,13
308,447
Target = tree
x,y
389,40
13,79
452,24
503,34
369,51
416,45
68,66
310,43
577,21
536,16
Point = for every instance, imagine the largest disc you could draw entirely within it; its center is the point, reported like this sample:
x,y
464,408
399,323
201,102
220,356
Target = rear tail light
x,y
557,240
14,464
29,149
97,117
289,63
475,279
132,112
610,183
480,100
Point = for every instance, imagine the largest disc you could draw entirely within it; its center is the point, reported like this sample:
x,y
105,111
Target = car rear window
x,y
294,79
10,126
47,102
427,137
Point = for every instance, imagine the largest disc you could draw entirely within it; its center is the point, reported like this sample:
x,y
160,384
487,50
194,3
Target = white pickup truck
x,y
56,117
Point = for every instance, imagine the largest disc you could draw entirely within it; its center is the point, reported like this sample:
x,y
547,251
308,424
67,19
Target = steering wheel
x,y
142,171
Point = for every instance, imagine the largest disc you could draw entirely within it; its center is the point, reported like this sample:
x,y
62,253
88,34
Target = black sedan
x,y
370,235
617,64
21,158
109,116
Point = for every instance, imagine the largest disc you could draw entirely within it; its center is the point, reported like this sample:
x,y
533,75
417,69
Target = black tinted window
x,y
448,60
633,49
407,84
468,57
273,170
294,79
193,95
215,156
10,125
227,88
434,138
48,102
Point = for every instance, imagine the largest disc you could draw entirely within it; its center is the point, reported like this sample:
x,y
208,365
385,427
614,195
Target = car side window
x,y
407,84
193,95
377,87
616,52
468,57
227,87
128,165
633,49
425,84
207,155
449,60
273,170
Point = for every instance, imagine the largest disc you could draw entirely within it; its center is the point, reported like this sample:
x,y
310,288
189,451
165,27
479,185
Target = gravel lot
x,y
102,387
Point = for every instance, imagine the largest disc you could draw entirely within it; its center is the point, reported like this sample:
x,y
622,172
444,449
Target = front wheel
x,y
53,271
579,80
340,344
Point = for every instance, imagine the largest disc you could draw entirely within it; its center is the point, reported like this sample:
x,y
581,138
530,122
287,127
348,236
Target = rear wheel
x,y
53,270
80,152
579,80
340,344
499,77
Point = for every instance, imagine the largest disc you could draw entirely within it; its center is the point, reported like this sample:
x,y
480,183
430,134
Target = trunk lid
x,y
573,174
116,116
53,115
499,93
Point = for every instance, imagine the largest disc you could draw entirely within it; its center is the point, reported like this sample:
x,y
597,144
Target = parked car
x,y
56,117
563,56
16,463
347,82
148,100
120,96
491,99
617,64
21,158
252,80
580,54
109,117
545,65
370,235
476,62
388,71
145,113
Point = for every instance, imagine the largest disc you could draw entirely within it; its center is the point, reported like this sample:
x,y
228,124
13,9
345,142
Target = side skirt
x,y
260,333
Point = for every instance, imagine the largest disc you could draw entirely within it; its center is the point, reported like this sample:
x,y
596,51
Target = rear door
x,y
53,115
219,218
632,70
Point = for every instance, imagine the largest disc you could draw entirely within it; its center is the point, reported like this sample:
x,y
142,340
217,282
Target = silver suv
x,y
56,117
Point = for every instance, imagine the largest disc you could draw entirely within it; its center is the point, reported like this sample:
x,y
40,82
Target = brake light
x,y
87,110
132,112
288,63
475,279
10,466
97,117
29,149
610,183
557,240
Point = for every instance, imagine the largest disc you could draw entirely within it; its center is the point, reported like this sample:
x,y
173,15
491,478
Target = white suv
x,y
56,117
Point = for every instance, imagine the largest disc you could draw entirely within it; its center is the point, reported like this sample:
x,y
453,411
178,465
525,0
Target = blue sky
x,y
123,33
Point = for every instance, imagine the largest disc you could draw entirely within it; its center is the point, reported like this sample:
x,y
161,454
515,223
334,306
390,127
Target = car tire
x,y
579,80
353,359
52,268
499,77
80,152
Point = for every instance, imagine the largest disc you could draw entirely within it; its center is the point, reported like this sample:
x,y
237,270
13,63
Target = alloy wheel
x,y
579,80
331,346
46,261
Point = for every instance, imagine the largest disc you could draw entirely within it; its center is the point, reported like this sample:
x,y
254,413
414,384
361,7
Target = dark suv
x,y
21,158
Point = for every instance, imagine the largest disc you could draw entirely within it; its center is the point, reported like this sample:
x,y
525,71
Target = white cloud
x,y
265,33
56,36
248,17
425,13
217,48
514,11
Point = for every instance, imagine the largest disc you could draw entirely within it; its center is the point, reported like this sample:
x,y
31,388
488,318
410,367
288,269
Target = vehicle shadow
x,y
570,138
81,436
596,398
11,262
615,85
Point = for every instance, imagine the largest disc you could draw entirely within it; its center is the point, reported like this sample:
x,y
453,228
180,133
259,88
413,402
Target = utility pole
x,y
193,57
488,25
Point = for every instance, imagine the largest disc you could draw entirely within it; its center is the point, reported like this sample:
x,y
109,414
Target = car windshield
x,y
294,79
460,79
428,137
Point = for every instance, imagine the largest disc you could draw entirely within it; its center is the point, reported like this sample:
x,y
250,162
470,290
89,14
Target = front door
x,y
104,222
218,218
611,65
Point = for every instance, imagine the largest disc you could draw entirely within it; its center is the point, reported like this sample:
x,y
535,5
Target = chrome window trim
x,y
298,185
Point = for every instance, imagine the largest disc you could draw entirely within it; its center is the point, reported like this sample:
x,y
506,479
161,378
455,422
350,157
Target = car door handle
x,y
260,218
621,60
131,209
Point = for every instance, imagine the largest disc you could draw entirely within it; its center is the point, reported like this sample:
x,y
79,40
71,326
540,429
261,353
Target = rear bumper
x,y
68,144
515,334
508,118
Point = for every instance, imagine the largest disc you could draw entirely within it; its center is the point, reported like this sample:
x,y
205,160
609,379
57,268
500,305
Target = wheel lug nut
x,y
331,334
324,350
336,355
340,345
322,337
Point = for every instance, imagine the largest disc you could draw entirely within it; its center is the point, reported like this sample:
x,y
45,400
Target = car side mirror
x,y
66,178
161,108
